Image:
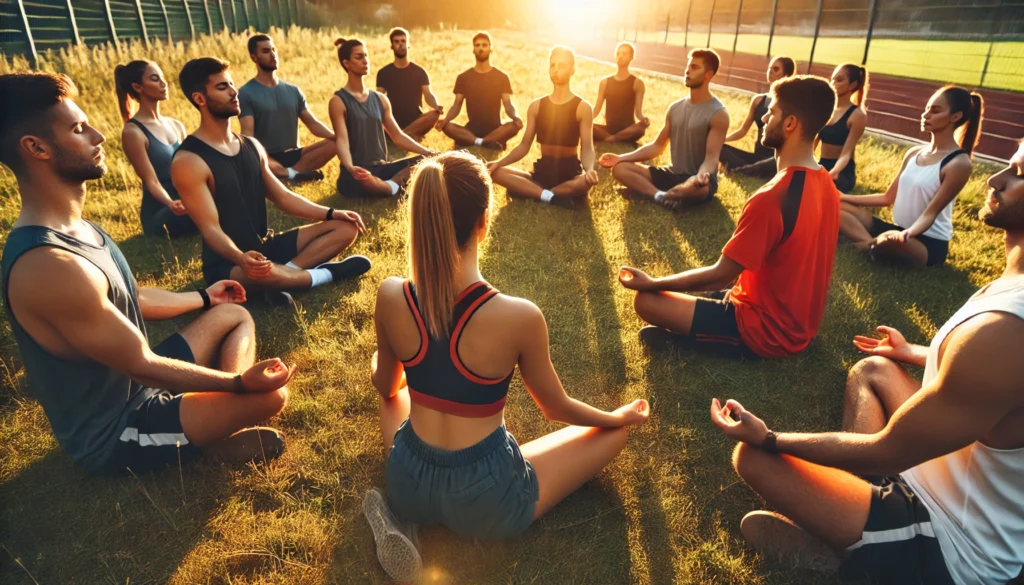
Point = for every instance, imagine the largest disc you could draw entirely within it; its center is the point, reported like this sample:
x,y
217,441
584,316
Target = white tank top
x,y
917,186
975,496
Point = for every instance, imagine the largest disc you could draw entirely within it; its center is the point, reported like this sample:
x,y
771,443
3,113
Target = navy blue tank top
x,y
436,375
836,134
160,155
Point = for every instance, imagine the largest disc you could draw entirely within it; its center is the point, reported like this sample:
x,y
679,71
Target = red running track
x,y
894,103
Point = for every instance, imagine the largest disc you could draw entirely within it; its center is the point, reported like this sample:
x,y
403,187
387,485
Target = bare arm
x,y
158,304
858,121
430,98
716,277
600,97
586,118
954,177
190,175
400,138
881,199
639,89
523,148
651,149
134,142
387,369
453,112
336,109
745,127
316,127
510,108
713,146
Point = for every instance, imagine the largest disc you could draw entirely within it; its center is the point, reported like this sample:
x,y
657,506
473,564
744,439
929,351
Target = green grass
x,y
666,511
944,61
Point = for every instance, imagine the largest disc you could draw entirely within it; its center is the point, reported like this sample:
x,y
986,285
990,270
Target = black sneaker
x,y
254,444
658,338
277,298
563,202
306,176
350,267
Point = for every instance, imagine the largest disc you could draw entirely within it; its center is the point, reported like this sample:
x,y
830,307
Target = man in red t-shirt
x,y
780,256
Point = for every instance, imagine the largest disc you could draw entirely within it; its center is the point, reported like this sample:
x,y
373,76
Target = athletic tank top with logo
x,y
915,190
975,496
557,124
365,124
689,126
159,154
436,375
621,99
84,400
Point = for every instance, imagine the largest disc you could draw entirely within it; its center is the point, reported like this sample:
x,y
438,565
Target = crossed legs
x,y
419,127
465,137
637,178
520,183
628,134
316,243
314,156
855,223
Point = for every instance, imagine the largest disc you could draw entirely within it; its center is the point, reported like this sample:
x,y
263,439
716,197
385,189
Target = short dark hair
x,y
397,32
197,72
808,97
345,48
26,100
709,57
482,35
255,40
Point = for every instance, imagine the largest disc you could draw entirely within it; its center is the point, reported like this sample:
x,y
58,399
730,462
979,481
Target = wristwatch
x,y
769,444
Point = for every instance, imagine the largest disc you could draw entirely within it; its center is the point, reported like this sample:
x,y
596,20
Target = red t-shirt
x,y
780,295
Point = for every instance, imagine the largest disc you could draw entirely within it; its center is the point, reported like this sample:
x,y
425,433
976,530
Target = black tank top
x,y
436,375
557,124
621,101
83,399
238,193
836,134
759,111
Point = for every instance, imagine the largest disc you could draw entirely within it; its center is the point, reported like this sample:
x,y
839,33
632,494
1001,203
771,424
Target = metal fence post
x,y
110,24
28,33
188,16
871,27
142,23
992,41
167,21
735,41
209,21
74,25
711,22
223,20
771,28
817,29
245,12
636,23
686,33
668,21
234,17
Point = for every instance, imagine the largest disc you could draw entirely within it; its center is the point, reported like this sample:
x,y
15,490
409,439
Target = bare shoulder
x,y
985,349
188,165
54,280
391,290
638,84
182,133
132,133
961,163
584,108
516,312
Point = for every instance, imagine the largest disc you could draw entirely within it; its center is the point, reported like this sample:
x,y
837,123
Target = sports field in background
x,y
666,511
944,61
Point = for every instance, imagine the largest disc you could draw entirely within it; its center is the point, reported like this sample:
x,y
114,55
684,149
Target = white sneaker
x,y
395,550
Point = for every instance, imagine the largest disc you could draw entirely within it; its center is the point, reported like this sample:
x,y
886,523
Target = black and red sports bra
x,y
437,377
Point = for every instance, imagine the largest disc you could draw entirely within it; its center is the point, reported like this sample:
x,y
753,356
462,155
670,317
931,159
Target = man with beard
x,y
484,89
271,109
696,127
561,122
77,315
624,119
780,256
225,181
406,84
924,484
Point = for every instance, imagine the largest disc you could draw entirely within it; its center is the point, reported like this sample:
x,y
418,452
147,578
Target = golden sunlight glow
x,y
579,18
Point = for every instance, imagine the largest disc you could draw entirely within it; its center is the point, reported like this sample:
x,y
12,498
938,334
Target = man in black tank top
x,y
624,119
563,125
77,314
224,180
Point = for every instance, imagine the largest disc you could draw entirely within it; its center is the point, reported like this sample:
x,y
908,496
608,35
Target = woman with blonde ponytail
x,y
923,192
448,345
840,136
149,141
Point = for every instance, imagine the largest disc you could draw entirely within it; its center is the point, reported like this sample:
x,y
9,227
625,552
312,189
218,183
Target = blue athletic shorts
x,y
486,492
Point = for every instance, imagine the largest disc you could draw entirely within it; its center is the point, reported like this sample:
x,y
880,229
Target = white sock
x,y
291,173
394,187
478,141
292,266
546,196
659,196
320,276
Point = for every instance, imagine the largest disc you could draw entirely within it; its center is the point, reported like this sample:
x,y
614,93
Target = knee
x,y
643,304
617,438
620,170
868,371
748,461
276,401
232,315
500,175
433,116
343,233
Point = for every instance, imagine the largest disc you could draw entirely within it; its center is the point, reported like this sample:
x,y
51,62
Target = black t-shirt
x,y
483,93
404,88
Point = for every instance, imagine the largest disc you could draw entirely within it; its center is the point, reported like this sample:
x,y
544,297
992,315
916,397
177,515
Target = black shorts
x,y
481,130
898,545
278,248
287,158
349,187
664,179
714,327
938,249
550,172
847,178
152,436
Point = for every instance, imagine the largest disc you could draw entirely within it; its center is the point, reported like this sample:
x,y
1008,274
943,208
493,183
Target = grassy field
x,y
946,61
666,511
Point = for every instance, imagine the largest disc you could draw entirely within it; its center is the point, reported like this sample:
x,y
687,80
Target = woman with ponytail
x,y
923,192
149,142
760,162
839,138
448,345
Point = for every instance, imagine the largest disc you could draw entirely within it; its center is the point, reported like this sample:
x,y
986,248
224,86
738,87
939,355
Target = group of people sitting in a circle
x,y
924,484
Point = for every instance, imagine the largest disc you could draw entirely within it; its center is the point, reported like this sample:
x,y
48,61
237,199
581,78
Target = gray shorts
x,y
486,492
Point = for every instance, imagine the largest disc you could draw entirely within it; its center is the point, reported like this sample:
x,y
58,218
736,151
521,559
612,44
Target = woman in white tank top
x,y
922,194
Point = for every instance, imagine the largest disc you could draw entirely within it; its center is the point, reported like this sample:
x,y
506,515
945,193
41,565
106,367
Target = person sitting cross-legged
x,y
225,181
780,256
407,86
926,480
624,117
77,315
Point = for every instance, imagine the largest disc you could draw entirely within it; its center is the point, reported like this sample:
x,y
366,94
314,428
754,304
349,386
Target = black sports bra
x,y
436,375
557,124
836,134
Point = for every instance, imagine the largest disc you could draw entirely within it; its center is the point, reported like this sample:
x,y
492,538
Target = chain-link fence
x,y
978,43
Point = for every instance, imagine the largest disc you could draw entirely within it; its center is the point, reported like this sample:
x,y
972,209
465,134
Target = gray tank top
x,y
85,401
160,154
365,124
689,127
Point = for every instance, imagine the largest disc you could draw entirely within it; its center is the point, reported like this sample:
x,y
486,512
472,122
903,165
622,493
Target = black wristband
x,y
330,214
239,387
206,298
770,443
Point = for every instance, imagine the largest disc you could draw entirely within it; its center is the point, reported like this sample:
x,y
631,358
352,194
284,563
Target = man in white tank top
x,y
926,483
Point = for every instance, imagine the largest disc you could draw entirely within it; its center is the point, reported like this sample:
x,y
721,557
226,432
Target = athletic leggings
x,y
760,163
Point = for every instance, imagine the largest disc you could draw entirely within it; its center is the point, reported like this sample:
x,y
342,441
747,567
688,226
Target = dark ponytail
x,y
345,47
787,64
972,107
124,77
858,74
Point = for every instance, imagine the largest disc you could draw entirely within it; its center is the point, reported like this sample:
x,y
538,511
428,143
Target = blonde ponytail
x,y
433,251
